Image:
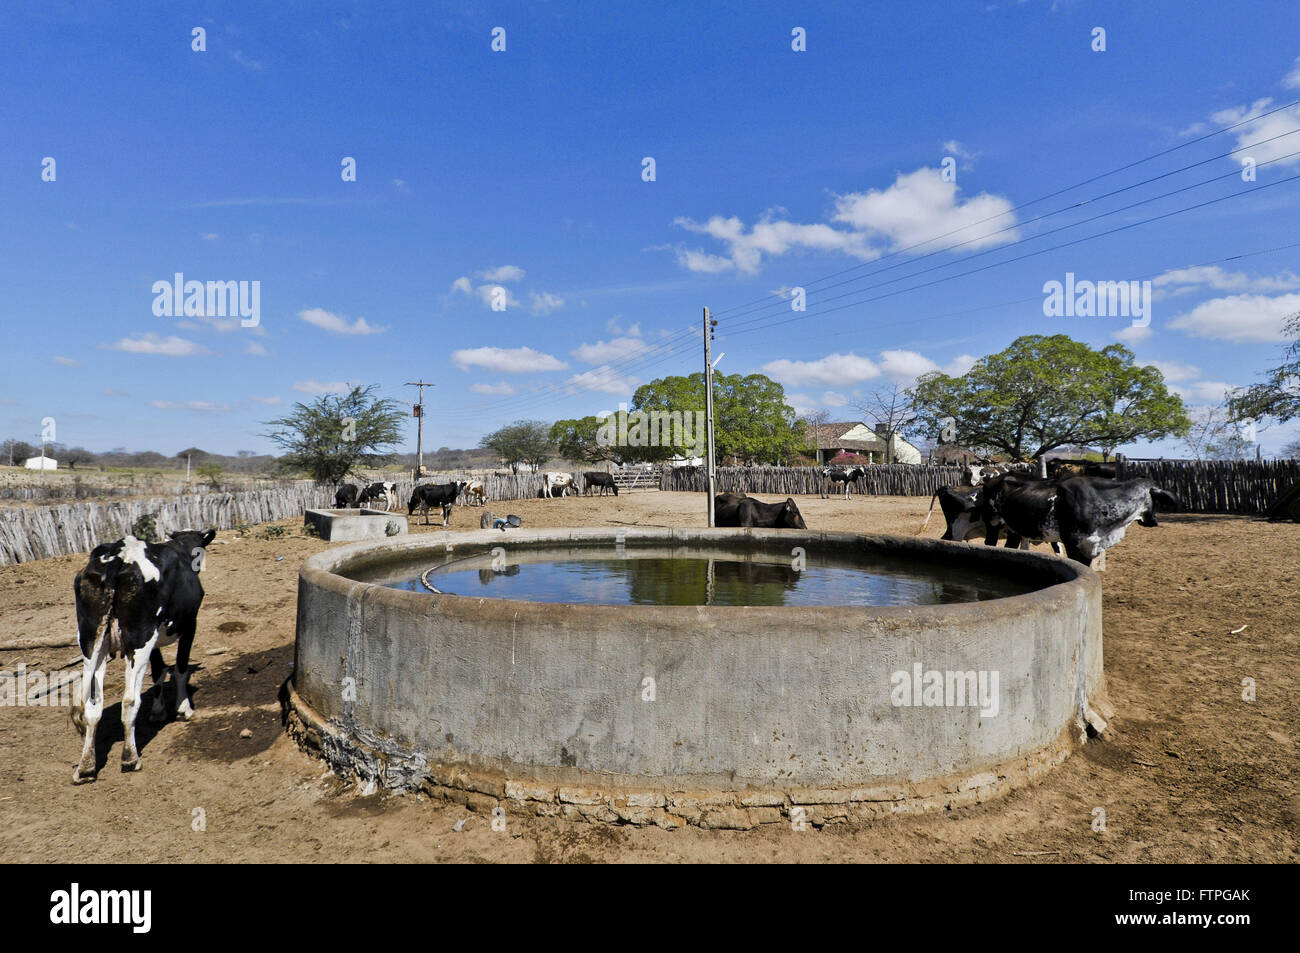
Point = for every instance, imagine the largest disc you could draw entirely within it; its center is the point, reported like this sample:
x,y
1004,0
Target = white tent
x,y
41,463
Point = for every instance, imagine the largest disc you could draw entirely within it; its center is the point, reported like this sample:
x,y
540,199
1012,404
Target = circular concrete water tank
x,y
723,716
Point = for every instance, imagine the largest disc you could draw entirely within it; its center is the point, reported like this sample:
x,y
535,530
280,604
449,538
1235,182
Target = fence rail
x,y
1241,486
894,479
1219,486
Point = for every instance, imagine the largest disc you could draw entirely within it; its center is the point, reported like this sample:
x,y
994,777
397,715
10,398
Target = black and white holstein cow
x,y
594,478
132,598
379,491
831,475
428,495
736,509
1086,515
347,496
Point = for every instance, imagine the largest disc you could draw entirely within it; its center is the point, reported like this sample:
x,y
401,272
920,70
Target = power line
x,y
758,315
1041,198
996,264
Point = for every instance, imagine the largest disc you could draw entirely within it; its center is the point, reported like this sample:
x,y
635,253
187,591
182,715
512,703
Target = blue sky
x,y
523,170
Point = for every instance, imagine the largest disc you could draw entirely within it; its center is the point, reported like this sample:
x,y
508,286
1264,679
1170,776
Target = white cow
x,y
560,481
475,493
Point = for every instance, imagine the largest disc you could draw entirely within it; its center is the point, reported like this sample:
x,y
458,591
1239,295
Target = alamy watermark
x,y
683,430
1098,299
24,688
213,299
933,688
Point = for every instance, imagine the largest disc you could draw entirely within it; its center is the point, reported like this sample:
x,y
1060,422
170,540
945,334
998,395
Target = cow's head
x,y
790,517
1164,497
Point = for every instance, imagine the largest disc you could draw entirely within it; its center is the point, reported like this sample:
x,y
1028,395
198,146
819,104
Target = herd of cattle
x,y
133,597
444,496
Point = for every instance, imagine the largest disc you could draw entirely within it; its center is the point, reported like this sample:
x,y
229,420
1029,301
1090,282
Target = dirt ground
x,y
1189,771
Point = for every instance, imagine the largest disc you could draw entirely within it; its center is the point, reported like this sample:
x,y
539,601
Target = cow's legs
x,y
92,706
158,671
184,709
135,669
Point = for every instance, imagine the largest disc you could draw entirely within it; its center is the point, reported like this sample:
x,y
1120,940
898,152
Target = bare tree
x,y
815,422
891,412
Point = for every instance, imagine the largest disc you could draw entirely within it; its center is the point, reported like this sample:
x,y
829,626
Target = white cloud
x,y
504,273
833,399
321,387
1173,370
202,406
903,367
920,206
485,293
337,324
154,344
832,369
1270,127
210,236
603,379
614,349
1132,334
1292,79
66,362
1205,392
959,365
545,302
1186,280
269,401
501,388
703,262
256,349
1239,318
747,246
519,360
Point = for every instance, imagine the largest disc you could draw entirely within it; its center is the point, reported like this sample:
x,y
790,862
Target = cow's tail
x,y
928,514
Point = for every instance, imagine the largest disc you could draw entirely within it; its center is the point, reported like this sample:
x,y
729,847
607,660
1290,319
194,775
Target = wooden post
x,y
419,427
708,411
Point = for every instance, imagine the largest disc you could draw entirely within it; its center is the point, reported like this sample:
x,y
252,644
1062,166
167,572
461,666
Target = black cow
x,y
1086,515
736,509
442,495
379,491
961,512
1061,468
347,496
832,475
152,592
595,479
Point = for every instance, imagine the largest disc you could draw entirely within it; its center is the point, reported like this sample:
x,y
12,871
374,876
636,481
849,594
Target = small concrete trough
x,y
352,525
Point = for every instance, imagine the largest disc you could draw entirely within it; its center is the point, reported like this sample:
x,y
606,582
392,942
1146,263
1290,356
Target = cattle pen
x,y
1241,487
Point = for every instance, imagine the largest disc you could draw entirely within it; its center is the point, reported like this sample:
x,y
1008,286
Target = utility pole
x,y
709,325
419,431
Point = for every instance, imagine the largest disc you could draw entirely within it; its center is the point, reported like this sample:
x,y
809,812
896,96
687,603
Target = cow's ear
x,y
208,537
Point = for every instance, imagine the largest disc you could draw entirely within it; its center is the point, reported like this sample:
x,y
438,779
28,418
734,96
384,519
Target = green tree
x,y
752,420
1047,392
1278,395
209,472
578,440
524,441
337,433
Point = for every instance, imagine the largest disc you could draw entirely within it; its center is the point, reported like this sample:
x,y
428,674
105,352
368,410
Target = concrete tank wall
x,y
479,694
